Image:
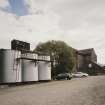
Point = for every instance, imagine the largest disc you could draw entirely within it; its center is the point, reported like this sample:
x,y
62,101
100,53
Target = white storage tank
x,y
44,68
10,67
29,67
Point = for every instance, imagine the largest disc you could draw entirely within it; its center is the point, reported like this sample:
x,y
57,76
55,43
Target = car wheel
x,y
84,76
68,78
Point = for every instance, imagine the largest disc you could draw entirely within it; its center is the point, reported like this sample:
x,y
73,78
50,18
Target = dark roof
x,y
86,51
99,65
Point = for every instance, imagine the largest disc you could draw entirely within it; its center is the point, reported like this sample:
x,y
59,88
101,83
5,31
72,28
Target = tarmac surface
x,y
79,91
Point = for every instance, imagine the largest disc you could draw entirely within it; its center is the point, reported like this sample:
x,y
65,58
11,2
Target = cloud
x,y
80,23
33,28
3,3
81,13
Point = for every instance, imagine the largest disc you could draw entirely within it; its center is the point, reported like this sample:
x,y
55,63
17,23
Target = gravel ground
x,y
81,91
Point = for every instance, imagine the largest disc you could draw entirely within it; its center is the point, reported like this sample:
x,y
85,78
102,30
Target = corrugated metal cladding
x,y
29,68
44,68
10,68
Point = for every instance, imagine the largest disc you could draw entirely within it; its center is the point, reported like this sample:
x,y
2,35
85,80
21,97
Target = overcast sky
x,y
80,23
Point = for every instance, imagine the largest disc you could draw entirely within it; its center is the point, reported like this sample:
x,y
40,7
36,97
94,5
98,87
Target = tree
x,y
60,53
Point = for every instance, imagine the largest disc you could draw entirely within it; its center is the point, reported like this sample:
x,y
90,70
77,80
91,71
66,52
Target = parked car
x,y
66,76
79,74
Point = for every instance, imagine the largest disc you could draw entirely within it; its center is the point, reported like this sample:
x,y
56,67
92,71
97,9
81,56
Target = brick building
x,y
86,61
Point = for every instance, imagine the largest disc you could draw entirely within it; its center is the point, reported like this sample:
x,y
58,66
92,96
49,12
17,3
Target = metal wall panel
x,y
44,69
29,68
10,68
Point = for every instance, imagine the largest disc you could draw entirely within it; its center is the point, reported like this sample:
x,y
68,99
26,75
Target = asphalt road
x,y
82,91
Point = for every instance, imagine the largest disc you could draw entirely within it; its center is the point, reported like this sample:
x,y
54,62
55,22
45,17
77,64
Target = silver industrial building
x,y
18,67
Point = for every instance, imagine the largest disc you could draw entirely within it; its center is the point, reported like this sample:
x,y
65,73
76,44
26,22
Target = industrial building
x,y
20,64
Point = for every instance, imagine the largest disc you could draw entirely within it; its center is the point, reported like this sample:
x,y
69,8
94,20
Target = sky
x,y
80,23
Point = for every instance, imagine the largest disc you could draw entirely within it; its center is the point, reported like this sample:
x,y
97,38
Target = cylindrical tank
x,y
44,68
10,67
29,67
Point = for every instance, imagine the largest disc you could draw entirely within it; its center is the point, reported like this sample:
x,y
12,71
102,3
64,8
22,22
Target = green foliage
x,y
60,53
